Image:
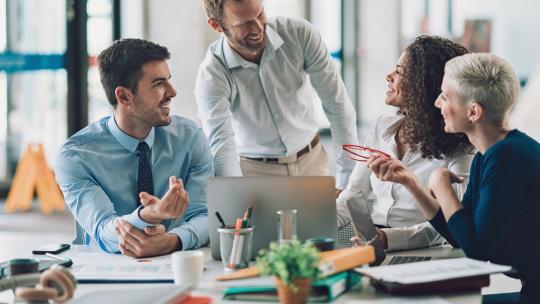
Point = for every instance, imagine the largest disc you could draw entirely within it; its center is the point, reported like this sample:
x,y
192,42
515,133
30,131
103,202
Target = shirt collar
x,y
233,59
393,127
129,142
273,38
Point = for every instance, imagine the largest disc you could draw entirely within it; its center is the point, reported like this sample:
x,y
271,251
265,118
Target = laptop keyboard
x,y
401,259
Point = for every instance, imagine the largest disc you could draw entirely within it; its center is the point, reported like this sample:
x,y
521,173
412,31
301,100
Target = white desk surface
x,y
499,283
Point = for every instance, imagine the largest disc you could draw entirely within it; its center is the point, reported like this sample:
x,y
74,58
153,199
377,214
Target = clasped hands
x,y
154,240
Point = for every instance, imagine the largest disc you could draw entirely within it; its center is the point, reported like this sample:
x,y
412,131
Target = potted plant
x,y
294,265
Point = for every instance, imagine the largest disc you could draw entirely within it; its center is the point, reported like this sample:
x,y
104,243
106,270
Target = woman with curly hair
x,y
416,137
497,218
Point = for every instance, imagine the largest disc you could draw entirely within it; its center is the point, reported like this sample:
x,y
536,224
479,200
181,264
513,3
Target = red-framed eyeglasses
x,y
360,153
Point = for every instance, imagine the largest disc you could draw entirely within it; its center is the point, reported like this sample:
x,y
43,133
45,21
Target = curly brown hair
x,y
423,127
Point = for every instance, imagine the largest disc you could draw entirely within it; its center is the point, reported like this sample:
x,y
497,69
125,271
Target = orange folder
x,y
332,261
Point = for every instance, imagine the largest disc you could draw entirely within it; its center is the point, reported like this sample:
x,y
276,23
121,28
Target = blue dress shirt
x,y
97,171
269,109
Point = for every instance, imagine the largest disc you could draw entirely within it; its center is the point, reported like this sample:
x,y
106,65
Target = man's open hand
x,y
172,205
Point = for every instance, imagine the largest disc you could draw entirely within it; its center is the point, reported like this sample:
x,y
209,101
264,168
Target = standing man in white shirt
x,y
255,99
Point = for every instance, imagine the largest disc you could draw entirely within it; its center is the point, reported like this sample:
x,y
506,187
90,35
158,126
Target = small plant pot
x,y
287,295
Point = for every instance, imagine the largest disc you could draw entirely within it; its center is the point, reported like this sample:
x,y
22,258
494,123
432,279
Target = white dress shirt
x,y
267,110
393,205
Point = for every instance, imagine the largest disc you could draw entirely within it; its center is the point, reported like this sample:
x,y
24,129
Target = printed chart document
x,y
144,295
432,271
100,267
403,300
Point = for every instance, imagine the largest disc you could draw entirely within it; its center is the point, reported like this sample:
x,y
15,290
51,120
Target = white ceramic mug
x,y
188,267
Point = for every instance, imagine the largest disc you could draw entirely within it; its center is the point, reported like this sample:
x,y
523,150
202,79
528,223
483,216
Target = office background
x,y
49,83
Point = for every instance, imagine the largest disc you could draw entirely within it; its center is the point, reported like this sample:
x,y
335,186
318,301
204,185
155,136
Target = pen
x,y
220,219
56,257
244,219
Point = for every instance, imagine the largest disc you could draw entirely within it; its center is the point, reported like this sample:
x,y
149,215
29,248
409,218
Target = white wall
x,y
527,111
515,26
515,29
379,49
132,19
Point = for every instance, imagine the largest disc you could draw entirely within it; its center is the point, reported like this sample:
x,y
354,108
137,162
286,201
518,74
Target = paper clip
x,y
360,153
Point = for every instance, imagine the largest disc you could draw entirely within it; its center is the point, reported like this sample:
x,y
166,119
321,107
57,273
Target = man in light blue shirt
x,y
135,181
255,95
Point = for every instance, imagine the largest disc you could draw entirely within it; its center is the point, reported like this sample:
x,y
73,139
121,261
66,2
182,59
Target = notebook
x,y
264,289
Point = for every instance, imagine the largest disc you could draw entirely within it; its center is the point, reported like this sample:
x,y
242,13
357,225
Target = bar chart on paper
x,y
97,267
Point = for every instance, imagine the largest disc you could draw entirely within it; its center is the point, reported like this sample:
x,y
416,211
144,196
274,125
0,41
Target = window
x,y
100,36
32,79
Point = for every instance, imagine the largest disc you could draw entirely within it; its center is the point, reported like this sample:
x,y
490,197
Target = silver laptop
x,y
365,229
313,197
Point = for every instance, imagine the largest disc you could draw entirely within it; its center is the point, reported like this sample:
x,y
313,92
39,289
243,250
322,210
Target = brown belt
x,y
304,150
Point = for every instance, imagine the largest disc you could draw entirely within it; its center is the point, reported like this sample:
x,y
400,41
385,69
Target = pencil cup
x,y
235,247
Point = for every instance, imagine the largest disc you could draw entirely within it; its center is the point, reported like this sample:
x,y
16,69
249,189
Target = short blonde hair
x,y
487,79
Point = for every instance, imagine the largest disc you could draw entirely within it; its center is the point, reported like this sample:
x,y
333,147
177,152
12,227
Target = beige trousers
x,y
313,163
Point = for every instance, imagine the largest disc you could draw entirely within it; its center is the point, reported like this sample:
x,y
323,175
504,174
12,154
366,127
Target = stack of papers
x,y
403,300
432,271
100,267
148,295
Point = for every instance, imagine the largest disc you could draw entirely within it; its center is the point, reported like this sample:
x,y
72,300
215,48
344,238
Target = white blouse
x,y
392,205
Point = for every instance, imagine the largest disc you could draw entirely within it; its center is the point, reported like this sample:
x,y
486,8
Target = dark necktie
x,y
144,179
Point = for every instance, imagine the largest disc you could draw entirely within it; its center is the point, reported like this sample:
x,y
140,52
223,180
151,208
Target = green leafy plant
x,y
289,261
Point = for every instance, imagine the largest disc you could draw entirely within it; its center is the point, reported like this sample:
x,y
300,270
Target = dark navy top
x,y
500,218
